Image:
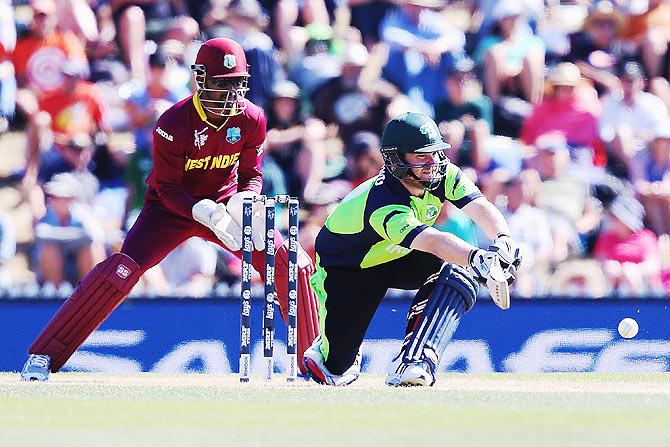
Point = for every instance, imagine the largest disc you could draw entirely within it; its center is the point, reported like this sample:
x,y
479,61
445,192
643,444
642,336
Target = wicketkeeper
x,y
381,236
207,156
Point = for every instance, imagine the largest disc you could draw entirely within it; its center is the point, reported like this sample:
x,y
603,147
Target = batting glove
x,y
215,217
509,253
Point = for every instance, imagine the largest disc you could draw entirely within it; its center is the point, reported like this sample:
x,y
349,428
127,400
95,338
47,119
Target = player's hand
x,y
480,262
509,253
234,208
215,217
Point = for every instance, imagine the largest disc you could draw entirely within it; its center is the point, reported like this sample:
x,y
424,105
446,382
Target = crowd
x,y
558,110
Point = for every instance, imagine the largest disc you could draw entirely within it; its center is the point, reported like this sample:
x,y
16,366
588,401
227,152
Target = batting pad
x,y
308,314
94,299
453,294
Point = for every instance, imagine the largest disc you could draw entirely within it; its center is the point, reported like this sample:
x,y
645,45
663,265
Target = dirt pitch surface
x,y
76,409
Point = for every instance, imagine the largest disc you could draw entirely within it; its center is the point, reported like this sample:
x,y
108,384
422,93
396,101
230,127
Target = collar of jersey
x,y
395,185
203,115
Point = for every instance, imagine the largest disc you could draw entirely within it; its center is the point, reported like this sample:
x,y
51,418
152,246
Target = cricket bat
x,y
497,285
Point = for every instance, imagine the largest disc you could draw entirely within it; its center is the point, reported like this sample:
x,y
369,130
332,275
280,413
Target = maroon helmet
x,y
221,67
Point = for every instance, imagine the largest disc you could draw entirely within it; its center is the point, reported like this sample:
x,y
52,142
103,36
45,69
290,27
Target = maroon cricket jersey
x,y
194,159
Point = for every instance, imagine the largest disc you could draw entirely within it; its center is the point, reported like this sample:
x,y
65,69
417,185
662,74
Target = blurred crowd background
x,y
558,110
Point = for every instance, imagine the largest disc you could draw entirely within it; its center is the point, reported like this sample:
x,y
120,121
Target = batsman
x,y
207,152
381,236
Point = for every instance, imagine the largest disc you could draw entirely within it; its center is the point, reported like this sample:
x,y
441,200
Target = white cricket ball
x,y
628,328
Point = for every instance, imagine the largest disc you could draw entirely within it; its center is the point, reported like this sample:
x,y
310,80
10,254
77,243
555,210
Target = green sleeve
x,y
459,189
395,223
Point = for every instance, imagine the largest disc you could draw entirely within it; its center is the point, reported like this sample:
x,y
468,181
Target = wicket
x,y
269,284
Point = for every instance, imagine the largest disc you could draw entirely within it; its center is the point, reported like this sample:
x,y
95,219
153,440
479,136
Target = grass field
x,y
77,409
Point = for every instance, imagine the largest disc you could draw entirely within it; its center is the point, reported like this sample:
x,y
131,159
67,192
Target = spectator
x,y
246,24
68,239
648,30
629,253
7,248
531,229
422,46
564,111
7,80
347,103
597,49
318,63
364,157
295,142
512,57
366,16
134,18
629,118
189,269
465,117
651,177
144,104
40,54
564,197
287,15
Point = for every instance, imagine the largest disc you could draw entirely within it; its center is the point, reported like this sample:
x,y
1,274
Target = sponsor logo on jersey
x,y
122,271
229,61
211,162
199,138
164,134
233,135
431,212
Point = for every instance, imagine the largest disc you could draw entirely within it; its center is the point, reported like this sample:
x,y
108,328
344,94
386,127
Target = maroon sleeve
x,y
168,169
250,177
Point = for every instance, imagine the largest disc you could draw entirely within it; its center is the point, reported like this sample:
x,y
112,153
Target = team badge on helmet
x,y
229,61
233,135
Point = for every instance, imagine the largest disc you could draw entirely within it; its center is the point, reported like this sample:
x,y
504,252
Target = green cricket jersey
x,y
377,221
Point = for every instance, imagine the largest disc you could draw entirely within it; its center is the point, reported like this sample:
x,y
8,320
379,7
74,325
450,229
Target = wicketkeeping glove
x,y
234,208
215,217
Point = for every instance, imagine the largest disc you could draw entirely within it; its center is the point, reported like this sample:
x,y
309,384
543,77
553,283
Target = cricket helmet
x,y
414,133
221,67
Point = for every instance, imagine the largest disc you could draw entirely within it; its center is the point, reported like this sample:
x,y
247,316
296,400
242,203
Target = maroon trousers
x,y
156,233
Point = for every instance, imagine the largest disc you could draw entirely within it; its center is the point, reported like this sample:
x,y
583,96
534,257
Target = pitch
x,y
77,409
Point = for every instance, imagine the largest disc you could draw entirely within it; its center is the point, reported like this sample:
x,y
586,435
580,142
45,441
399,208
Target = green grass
x,y
474,410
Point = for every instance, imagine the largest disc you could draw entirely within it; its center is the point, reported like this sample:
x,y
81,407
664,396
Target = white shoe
x,y
409,374
36,368
316,368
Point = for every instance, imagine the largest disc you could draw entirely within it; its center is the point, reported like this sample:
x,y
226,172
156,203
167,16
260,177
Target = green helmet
x,y
413,133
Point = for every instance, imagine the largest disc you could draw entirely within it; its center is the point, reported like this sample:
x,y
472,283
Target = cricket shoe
x,y
316,368
36,368
414,373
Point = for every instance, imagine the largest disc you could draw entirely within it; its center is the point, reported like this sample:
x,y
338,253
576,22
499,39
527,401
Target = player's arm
x,y
250,177
487,217
168,169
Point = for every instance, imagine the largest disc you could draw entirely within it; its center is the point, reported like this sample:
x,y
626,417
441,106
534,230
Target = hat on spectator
x,y
462,65
44,6
356,54
63,185
551,142
628,210
662,130
604,11
426,3
285,89
76,69
249,10
507,8
565,73
363,141
631,70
